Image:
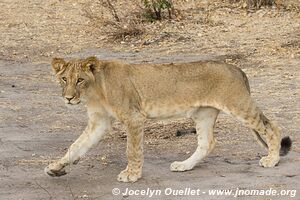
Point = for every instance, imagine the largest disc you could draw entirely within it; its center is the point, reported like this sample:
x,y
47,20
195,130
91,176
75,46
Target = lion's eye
x,y
64,79
80,80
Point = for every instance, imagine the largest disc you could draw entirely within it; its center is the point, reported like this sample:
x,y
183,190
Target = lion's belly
x,y
169,112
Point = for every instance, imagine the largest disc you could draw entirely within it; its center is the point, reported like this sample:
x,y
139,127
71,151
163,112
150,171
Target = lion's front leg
x,y
97,126
134,151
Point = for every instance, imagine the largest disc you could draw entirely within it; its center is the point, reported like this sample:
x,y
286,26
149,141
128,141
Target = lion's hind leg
x,y
205,119
267,132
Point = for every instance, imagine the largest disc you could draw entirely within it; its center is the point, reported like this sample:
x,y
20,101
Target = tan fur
x,y
132,93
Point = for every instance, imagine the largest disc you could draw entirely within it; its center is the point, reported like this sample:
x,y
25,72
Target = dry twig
x,y
50,196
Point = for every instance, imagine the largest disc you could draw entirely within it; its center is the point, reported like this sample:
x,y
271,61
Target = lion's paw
x,y
268,161
127,176
179,167
55,170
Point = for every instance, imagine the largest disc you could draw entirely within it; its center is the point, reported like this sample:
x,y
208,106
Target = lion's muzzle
x,y
71,100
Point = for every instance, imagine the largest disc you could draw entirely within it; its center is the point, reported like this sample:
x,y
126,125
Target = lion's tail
x,y
285,144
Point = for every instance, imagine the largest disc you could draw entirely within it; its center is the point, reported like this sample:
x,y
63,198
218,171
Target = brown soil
x,y
36,127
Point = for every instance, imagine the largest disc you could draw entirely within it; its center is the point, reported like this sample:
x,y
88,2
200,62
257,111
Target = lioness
x,y
131,93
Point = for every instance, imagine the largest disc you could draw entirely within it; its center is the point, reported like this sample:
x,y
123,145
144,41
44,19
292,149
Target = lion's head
x,y
75,77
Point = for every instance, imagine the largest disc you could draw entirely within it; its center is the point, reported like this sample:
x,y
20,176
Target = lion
x,y
132,93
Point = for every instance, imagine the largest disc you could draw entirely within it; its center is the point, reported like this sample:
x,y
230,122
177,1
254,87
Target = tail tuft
x,y
286,145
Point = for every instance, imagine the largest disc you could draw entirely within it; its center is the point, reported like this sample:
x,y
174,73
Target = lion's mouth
x,y
72,102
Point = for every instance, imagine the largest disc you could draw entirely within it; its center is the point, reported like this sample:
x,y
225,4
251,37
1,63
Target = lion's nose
x,y
69,98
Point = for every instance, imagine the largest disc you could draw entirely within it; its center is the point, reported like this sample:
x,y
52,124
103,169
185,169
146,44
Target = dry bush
x,y
115,25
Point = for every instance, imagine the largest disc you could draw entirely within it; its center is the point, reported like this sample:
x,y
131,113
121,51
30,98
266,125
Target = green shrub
x,y
154,8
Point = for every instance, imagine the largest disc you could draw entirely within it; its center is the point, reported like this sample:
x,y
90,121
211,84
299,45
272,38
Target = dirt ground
x,y
36,127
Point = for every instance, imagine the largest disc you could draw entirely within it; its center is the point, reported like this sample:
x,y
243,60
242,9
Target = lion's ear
x,y
91,63
58,64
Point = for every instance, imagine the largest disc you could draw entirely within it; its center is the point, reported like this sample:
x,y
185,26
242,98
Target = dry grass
x,y
122,31
259,3
293,5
